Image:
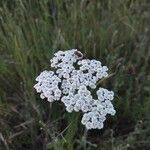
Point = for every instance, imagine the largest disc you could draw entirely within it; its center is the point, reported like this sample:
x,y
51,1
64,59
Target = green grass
x,y
115,32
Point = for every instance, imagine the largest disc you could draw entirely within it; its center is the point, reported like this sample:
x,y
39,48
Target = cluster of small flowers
x,y
99,109
48,86
72,81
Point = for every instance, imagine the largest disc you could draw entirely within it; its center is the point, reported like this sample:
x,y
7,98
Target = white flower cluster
x,y
72,82
48,86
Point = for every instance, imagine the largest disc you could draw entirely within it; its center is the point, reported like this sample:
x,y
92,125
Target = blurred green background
x,y
116,32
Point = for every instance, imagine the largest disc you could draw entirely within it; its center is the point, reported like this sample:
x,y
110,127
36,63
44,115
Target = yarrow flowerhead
x,y
72,82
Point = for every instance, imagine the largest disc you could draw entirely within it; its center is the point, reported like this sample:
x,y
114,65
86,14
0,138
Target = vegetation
x,y
115,32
